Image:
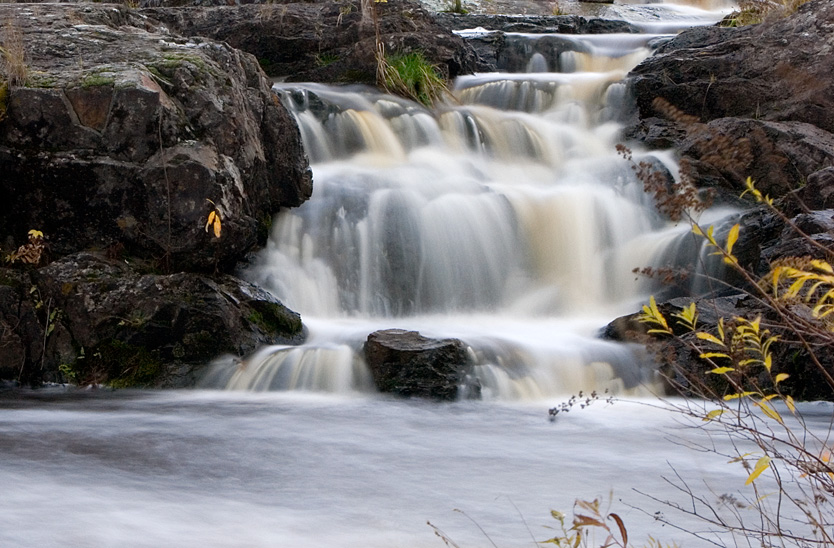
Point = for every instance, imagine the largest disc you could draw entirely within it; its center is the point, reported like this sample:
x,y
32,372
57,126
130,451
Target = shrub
x,y
413,76
742,385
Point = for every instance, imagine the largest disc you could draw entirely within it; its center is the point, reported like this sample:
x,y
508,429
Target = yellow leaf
x,y
217,226
721,370
732,238
211,217
789,402
586,521
761,466
770,412
713,414
729,397
708,355
35,234
822,265
707,337
780,377
697,230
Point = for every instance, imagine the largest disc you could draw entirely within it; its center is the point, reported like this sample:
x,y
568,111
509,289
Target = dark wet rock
x,y
21,333
513,40
762,92
407,364
775,71
323,41
123,150
124,328
562,24
779,156
819,190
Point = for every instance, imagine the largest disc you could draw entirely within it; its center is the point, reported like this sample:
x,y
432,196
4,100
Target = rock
x,y
751,101
819,190
721,154
321,40
562,24
21,333
407,364
512,52
123,132
132,329
774,71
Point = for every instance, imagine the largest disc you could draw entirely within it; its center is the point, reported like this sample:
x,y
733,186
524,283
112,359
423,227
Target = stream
x,y
505,218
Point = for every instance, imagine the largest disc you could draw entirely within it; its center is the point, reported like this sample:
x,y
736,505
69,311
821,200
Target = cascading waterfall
x,y
504,217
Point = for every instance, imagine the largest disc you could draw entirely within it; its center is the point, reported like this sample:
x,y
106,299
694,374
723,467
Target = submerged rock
x,y
407,364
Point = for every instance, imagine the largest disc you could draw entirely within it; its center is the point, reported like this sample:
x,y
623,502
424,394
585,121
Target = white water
x,y
505,218
202,469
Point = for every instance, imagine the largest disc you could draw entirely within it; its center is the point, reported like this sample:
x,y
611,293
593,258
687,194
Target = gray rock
x,y
760,96
407,364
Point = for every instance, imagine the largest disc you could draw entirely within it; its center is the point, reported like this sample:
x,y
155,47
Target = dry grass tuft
x,y
13,67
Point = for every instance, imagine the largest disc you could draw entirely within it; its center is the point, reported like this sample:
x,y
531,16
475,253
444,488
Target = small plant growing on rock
x,y
414,77
214,220
31,252
12,55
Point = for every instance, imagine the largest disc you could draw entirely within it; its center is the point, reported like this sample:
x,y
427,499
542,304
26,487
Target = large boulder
x,y
98,321
125,137
407,364
322,40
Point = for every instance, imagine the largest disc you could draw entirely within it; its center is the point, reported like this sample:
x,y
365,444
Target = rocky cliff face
x,y
117,141
753,101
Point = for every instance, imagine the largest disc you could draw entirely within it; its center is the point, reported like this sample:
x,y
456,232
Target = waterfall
x,y
503,217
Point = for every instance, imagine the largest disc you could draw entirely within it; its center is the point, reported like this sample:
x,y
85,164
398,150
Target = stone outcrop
x,y
501,51
123,132
765,87
323,41
117,144
88,319
407,364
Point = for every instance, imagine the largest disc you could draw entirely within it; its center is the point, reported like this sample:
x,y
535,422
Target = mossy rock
x,y
117,364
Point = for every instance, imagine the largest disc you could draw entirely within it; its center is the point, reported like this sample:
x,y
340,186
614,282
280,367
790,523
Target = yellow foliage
x,y
214,221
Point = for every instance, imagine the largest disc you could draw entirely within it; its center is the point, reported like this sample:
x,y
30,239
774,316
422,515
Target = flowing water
x,y
505,218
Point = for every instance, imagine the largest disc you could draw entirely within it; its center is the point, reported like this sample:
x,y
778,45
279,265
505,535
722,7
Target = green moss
x,y
97,79
325,59
39,79
264,228
117,364
275,319
173,60
266,65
